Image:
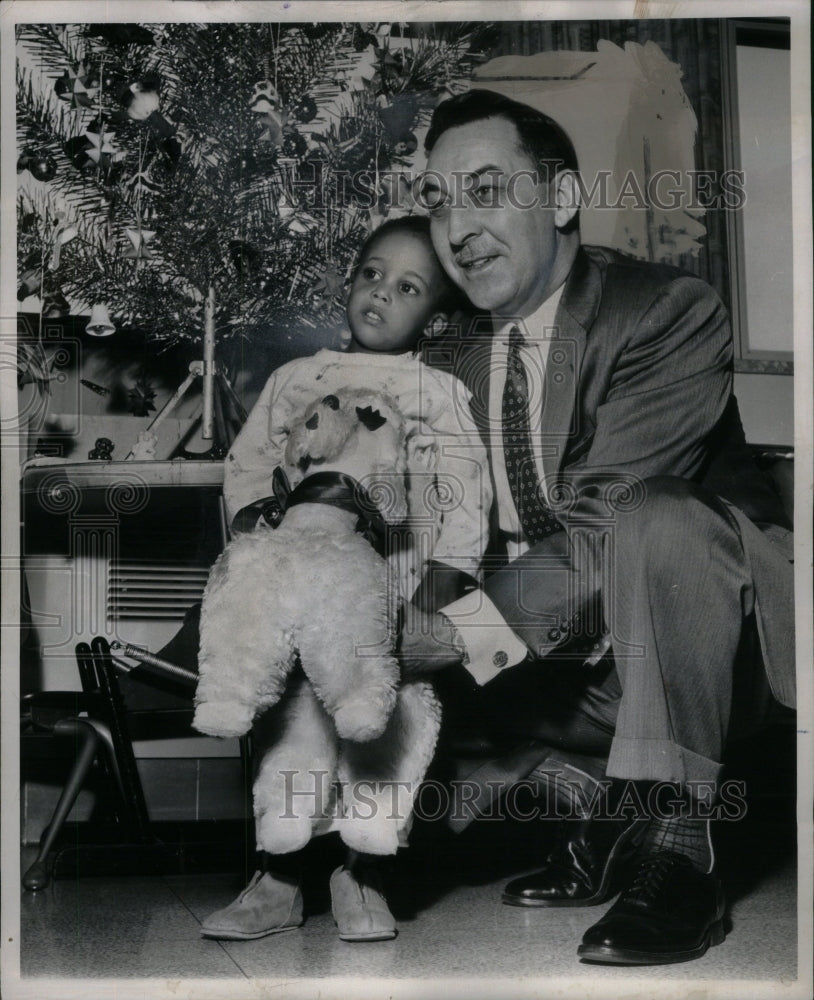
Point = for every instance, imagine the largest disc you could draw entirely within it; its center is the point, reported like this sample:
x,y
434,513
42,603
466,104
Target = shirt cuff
x,y
491,646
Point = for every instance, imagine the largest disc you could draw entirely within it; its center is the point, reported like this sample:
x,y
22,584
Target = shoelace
x,y
650,875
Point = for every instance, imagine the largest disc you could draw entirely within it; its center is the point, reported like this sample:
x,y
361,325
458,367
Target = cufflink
x,y
500,659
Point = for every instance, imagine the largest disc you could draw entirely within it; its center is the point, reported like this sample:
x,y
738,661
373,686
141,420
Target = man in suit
x,y
639,606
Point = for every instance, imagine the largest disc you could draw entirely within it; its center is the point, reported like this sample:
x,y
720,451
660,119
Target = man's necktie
x,y
536,517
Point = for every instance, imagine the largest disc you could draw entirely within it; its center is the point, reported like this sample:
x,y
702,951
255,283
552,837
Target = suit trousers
x,y
685,672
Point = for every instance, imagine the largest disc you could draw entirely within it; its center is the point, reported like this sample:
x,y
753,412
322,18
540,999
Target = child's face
x,y
394,295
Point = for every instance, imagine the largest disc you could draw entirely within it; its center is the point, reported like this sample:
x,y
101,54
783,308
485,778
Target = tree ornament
x,y
295,220
28,224
24,159
246,259
293,144
246,162
142,183
328,285
265,103
405,145
100,323
305,110
77,87
101,150
62,234
364,35
76,150
273,128
387,71
140,238
55,305
265,98
43,168
140,98
31,276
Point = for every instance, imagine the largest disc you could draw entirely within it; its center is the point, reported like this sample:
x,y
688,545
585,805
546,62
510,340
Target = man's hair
x,y
541,138
450,297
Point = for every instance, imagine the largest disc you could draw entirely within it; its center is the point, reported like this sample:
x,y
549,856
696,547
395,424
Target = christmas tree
x,y
167,165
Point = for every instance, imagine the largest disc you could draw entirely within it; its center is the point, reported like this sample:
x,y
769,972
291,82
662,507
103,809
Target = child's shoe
x,y
268,904
360,909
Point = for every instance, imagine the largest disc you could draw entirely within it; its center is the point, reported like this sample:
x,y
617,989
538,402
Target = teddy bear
x,y
297,634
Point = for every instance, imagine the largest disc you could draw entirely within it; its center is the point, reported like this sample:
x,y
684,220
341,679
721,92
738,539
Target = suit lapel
x,y
576,312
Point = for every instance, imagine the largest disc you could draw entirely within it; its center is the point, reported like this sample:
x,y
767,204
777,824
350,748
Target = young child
x,y
399,294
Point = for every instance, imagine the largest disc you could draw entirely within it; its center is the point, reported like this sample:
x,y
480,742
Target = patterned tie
x,y
536,517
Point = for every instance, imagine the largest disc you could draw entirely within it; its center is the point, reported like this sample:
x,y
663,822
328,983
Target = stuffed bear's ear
x,y
331,401
370,418
312,422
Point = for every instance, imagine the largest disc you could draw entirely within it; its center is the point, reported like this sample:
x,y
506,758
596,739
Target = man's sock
x,y
690,837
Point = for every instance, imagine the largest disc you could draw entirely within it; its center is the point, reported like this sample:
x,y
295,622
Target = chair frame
x,y
103,729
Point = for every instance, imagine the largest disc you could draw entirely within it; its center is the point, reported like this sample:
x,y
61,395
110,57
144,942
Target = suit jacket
x,y
638,384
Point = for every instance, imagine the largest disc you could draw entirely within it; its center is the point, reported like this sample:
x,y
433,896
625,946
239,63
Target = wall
x,y
767,407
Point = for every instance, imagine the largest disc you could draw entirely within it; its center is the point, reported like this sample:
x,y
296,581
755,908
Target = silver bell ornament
x,y
100,324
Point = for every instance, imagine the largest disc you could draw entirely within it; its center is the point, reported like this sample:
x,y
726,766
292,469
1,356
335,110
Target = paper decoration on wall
x,y
141,397
100,390
630,121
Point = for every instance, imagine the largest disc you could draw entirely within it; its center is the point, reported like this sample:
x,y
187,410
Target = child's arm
x,y
254,454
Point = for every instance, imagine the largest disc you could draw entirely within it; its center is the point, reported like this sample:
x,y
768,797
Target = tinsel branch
x,y
190,155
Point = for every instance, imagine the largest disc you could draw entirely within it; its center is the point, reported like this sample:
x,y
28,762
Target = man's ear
x,y
567,195
436,324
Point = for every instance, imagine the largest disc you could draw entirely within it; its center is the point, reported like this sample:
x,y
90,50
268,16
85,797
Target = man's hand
x,y
427,643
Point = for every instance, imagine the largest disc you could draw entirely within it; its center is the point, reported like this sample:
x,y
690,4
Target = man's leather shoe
x,y
585,866
671,912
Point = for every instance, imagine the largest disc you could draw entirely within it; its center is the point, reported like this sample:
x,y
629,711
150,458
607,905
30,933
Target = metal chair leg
x,y
125,761
37,877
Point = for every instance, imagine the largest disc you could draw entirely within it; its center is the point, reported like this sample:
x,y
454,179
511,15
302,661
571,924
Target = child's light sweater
x,y
450,486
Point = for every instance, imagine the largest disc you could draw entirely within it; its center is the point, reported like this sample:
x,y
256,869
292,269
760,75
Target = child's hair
x,y
451,297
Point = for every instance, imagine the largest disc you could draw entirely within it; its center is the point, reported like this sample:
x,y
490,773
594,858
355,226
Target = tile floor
x,y
454,934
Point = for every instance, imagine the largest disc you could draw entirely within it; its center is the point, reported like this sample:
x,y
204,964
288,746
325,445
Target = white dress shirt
x,y
490,644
